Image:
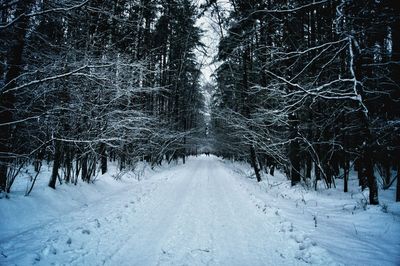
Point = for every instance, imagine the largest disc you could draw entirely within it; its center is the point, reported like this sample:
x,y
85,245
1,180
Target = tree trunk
x,y
346,175
294,149
329,175
398,182
7,98
260,160
3,170
56,164
372,184
122,160
271,170
103,155
367,156
386,166
308,166
184,150
68,163
85,174
254,163
77,168
395,75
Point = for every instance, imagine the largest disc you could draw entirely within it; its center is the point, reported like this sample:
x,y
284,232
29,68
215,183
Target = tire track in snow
x,y
191,229
154,218
196,214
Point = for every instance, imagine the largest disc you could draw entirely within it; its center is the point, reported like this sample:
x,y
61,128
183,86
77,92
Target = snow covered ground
x,y
205,212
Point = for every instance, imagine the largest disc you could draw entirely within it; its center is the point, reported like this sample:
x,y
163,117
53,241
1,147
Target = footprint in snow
x,y
315,255
50,249
97,222
280,254
86,231
36,258
309,252
286,227
299,237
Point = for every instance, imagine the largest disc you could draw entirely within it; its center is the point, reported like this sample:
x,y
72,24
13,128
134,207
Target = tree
x,y
318,78
96,84
14,62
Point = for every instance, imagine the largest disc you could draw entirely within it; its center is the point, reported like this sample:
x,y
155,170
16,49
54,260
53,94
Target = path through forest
x,y
192,214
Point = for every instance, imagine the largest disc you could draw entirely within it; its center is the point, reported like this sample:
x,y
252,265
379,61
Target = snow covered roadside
x,y
205,212
26,221
352,232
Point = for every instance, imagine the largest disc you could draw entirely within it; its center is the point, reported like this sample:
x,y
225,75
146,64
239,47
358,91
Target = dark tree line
x,y
308,86
312,87
83,82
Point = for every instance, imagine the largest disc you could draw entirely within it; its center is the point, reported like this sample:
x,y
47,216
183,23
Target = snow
x,y
205,212
352,232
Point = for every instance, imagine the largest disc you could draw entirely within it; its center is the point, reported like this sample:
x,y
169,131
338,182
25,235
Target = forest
x,y
307,87
312,87
84,82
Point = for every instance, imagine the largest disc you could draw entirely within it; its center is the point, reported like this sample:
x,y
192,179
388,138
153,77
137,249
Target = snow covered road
x,y
201,217
192,214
